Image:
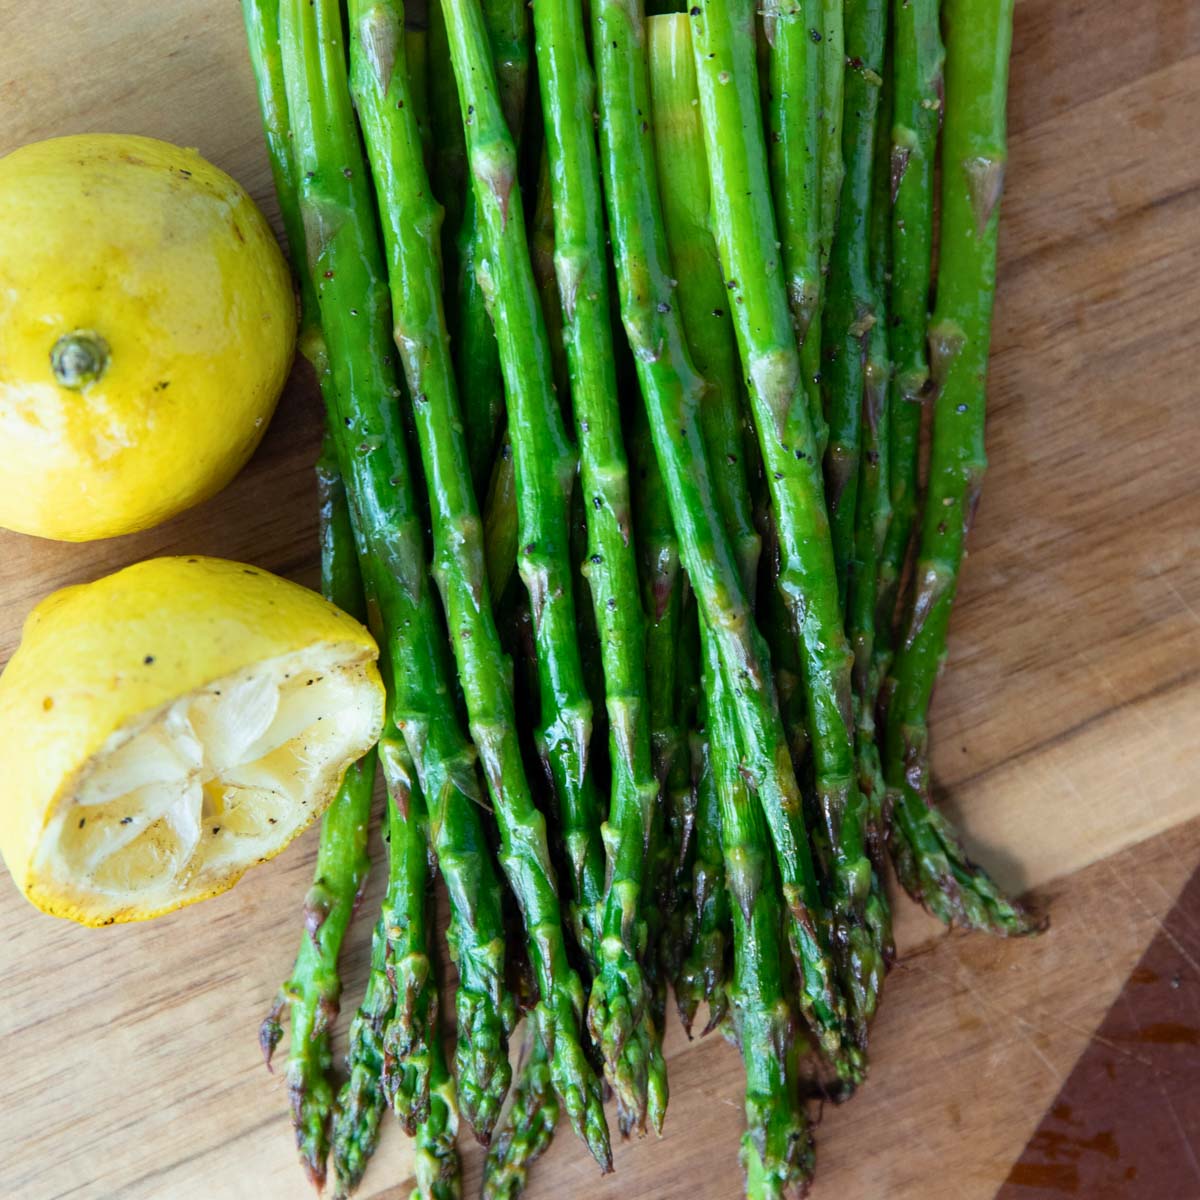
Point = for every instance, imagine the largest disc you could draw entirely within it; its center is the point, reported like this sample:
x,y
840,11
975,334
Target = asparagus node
x,y
544,465
917,59
527,1129
744,226
929,857
672,391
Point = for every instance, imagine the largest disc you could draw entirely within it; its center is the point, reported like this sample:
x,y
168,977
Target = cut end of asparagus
x,y
934,868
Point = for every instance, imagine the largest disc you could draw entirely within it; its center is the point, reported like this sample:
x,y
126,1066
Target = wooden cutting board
x,y
1067,728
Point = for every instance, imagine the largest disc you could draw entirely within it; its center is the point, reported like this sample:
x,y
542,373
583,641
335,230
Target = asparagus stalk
x,y
745,231
702,975
849,313
619,1017
541,254
436,1163
544,474
313,991
917,105
527,1129
361,1101
703,307
335,203
410,1027
662,588
410,222
872,520
930,860
831,167
388,1059
480,381
777,1153
672,389
794,137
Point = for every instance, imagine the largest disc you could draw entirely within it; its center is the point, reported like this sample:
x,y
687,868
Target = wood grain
x,y
1066,728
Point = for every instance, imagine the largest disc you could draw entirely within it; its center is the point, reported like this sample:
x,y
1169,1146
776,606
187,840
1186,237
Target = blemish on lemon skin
x,y
47,704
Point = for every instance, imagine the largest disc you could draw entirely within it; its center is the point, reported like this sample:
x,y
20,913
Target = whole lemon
x,y
147,325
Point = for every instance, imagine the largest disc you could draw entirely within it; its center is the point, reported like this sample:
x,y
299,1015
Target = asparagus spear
x,y
393,1038
313,991
335,203
872,520
544,473
929,858
619,1018
777,1153
831,167
410,223
436,1163
745,231
702,975
527,1129
541,254
794,137
671,389
480,381
703,307
917,102
849,314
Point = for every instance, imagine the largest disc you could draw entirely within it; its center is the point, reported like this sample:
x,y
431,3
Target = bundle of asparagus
x,y
725,750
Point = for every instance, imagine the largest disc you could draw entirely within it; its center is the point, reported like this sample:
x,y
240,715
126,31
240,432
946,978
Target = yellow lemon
x,y
147,324
165,728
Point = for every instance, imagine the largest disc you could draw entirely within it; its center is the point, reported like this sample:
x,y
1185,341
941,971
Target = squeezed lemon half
x,y
167,727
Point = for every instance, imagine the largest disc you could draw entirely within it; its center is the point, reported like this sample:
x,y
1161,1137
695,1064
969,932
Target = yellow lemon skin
x,y
103,656
171,264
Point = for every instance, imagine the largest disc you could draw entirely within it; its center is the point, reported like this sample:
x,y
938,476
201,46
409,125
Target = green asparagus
x,y
335,202
917,104
871,524
313,991
527,1129
672,392
619,1017
777,1153
930,860
849,314
544,464
388,1059
745,232
794,137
